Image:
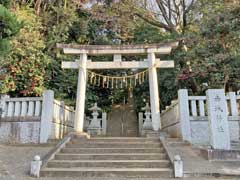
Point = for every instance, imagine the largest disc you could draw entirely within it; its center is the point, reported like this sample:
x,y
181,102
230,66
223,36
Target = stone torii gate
x,y
117,51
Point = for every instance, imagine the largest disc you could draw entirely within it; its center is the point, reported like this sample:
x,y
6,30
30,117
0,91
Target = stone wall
x,y
200,131
19,132
170,120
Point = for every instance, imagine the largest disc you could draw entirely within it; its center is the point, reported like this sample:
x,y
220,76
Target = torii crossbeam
x,y
117,51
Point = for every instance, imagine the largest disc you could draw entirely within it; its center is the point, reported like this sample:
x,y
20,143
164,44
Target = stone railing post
x,y
3,107
178,166
233,103
36,166
86,122
104,123
63,123
10,109
140,122
184,114
47,115
218,119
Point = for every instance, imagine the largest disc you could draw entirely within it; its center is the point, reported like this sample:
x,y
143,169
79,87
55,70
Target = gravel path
x,y
194,163
15,162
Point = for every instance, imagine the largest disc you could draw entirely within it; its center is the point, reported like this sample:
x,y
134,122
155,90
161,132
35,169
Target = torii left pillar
x,y
154,93
81,94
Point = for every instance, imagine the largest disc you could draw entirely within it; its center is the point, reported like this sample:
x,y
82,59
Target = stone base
x,y
83,135
145,132
151,133
94,131
147,125
213,154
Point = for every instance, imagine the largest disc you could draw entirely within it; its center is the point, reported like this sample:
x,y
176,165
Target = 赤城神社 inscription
x,y
218,119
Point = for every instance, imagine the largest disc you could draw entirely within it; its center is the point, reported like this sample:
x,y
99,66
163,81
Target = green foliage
x,y
141,95
73,25
209,54
145,33
70,25
100,95
57,24
213,56
5,3
9,26
27,61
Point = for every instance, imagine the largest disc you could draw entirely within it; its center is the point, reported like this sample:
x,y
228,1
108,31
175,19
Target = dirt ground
x,y
15,163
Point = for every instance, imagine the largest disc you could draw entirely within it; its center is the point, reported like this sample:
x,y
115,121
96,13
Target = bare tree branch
x,y
154,22
169,10
170,15
163,10
190,6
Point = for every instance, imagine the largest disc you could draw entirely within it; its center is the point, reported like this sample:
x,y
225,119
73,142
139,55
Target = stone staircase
x,y
110,157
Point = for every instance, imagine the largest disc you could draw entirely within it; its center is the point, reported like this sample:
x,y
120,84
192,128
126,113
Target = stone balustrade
x,y
40,119
63,119
34,119
170,120
198,104
21,107
192,117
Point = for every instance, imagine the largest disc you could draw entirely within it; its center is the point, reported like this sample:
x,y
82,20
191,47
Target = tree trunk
x,y
38,7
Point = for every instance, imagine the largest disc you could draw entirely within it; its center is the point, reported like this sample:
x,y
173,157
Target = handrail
x,y
56,102
169,107
167,126
197,98
23,99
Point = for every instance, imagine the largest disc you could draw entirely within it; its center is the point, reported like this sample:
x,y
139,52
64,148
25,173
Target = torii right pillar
x,y
154,93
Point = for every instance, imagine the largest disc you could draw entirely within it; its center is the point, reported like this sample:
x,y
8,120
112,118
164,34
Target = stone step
x,y
113,145
112,156
107,172
111,150
110,163
122,139
113,142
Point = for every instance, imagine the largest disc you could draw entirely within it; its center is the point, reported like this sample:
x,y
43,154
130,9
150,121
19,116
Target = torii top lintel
x,y
161,48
